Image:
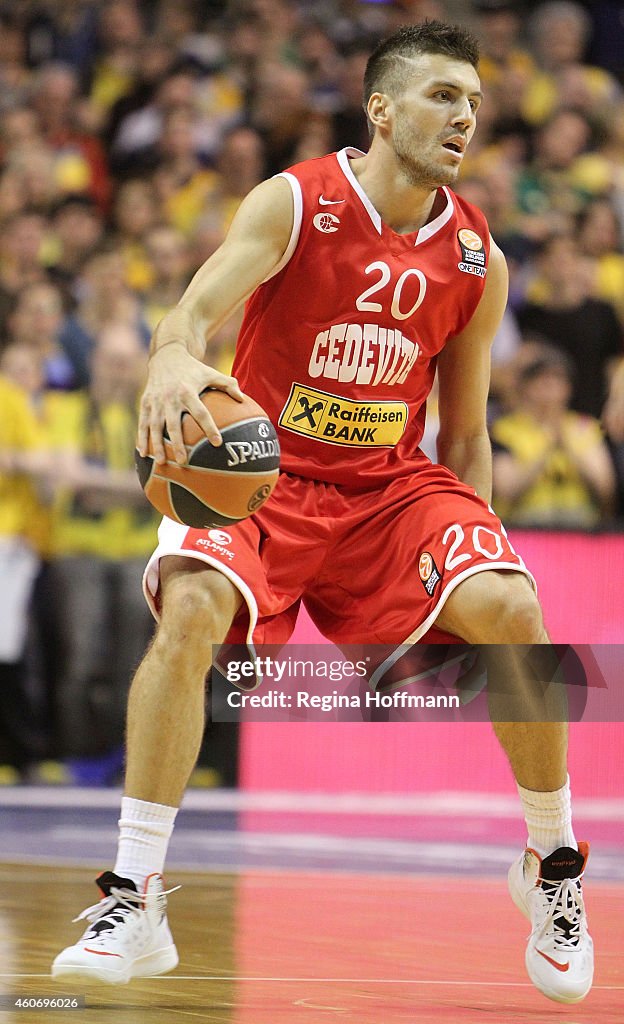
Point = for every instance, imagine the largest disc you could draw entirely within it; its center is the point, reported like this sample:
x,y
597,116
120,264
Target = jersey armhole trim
x,y
296,228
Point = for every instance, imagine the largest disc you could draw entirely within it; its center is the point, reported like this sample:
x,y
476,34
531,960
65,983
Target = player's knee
x,y
518,616
494,608
197,611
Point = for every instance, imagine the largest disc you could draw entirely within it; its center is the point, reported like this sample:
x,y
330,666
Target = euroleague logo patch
x,y
472,253
428,572
470,239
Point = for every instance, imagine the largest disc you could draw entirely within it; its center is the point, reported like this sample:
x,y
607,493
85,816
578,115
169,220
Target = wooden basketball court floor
x,y
303,945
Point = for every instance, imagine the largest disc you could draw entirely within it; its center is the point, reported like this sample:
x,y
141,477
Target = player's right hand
x,y
175,381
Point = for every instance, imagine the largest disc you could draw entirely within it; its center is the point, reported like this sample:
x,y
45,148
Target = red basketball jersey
x,y
339,345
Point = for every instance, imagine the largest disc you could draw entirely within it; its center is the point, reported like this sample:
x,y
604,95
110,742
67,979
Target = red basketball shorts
x,y
371,566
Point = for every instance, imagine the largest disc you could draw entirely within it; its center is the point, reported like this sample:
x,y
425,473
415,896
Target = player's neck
x,y
402,206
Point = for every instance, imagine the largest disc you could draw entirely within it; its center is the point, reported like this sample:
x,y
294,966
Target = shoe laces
x,y
565,915
113,909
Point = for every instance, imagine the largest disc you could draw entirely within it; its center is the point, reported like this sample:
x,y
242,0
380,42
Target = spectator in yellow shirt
x,y
103,528
560,32
170,267
19,564
551,465
502,55
599,238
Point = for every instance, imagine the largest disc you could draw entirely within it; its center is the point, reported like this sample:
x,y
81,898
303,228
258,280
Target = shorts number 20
x,y
481,537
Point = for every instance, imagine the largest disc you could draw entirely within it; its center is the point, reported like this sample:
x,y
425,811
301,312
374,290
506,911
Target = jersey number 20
x,y
383,269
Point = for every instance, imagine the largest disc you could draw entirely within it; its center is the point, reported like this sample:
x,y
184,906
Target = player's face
x,y
434,119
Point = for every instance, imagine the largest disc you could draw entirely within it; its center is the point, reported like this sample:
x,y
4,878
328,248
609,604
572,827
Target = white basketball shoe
x,y
560,952
128,936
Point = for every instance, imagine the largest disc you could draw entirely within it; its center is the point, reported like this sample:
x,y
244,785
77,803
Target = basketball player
x,y
363,272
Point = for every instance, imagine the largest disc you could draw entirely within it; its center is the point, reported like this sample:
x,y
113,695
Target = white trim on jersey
x,y
430,229
343,160
425,232
296,228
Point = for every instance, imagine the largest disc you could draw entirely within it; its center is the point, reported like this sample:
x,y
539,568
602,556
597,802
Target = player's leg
x,y
167,696
438,554
128,935
500,611
195,583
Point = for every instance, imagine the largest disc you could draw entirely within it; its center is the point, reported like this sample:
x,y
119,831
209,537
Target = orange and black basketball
x,y
221,485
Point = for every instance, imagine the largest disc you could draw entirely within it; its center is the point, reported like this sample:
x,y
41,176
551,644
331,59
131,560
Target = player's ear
x,y
378,107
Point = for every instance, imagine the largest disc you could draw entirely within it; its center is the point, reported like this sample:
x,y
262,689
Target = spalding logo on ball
x,y
218,486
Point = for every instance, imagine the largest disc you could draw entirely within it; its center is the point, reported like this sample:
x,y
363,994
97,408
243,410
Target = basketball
x,y
219,486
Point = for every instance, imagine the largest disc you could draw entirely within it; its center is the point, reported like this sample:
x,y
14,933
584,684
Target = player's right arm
x,y
255,244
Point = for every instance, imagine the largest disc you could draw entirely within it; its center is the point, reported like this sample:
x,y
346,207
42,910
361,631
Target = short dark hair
x,y
384,72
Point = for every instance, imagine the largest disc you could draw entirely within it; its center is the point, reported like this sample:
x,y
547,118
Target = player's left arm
x,y
464,379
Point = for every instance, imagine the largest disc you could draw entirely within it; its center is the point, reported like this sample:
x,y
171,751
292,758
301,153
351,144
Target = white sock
x,y
144,833
549,819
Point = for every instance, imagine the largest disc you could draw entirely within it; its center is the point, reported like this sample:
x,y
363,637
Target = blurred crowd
x,y
130,131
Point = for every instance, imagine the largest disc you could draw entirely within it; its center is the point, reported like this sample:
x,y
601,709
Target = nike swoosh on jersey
x,y
330,202
558,966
